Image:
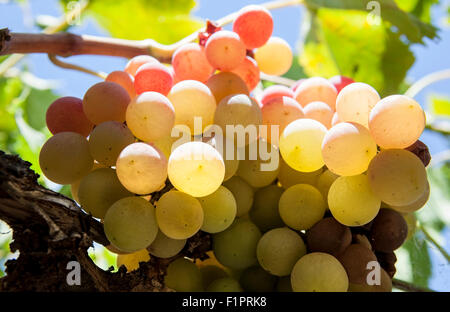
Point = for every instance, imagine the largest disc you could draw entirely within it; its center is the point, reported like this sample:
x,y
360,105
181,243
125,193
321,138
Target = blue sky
x,y
432,57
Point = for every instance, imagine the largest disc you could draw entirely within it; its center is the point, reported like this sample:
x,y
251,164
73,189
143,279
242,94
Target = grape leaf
x,y
419,256
419,8
440,105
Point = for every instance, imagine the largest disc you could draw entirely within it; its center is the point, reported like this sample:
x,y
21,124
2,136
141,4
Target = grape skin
x,y
183,276
242,192
224,84
153,77
319,111
248,70
264,212
316,89
124,79
165,247
254,24
289,177
273,92
189,63
225,284
274,57
225,50
137,61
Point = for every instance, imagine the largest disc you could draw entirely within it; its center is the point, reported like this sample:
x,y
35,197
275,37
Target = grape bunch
x,y
313,190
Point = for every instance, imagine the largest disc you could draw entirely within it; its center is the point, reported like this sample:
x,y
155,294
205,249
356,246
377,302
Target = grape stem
x,y
405,286
424,82
433,242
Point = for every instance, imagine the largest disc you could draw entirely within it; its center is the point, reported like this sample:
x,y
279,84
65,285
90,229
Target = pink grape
x,y
297,84
275,91
189,63
153,77
340,82
249,72
124,79
225,50
316,89
254,25
319,111
137,61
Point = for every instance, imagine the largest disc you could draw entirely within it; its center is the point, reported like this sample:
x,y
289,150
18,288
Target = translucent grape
x,y
224,84
352,202
141,168
225,50
219,209
319,272
397,177
107,140
236,246
150,116
248,70
231,163
179,215
66,115
335,120
416,205
301,206
65,158
105,101
243,194
319,111
153,77
124,79
300,144
192,99
396,121
166,144
254,24
264,212
183,276
275,91
137,61
130,224
165,247
74,186
316,89
225,284
131,261
274,57
324,182
196,168
289,177
340,82
348,148
279,249
189,63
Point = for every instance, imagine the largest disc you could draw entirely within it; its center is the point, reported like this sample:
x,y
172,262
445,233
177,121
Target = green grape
x,y
397,177
107,140
224,284
418,204
256,279
210,273
231,162
219,209
165,247
131,261
99,190
325,181
142,168
264,212
279,249
411,222
179,215
236,246
352,202
319,272
196,168
183,276
300,144
243,194
284,284
289,177
130,224
301,206
65,158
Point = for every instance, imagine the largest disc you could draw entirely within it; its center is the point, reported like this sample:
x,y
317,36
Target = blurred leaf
x,y
420,258
36,106
440,105
419,8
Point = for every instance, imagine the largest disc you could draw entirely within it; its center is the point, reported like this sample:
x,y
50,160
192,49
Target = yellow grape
x,y
274,57
316,89
231,161
74,187
179,215
130,224
348,148
396,121
319,111
355,102
65,158
352,202
324,182
183,276
300,145
243,194
165,247
319,272
289,177
196,168
301,206
224,84
416,205
141,168
397,177
131,261
411,222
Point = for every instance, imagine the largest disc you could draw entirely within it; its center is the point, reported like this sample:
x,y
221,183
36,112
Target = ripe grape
x,y
224,284
398,177
300,144
65,158
189,63
99,189
275,91
137,61
105,101
254,24
355,102
416,205
236,246
301,206
316,89
165,247
222,144
248,71
420,150
411,222
319,111
396,121
340,82
153,77
355,260
274,57
179,215
335,120
166,144
225,50
131,261
389,231
183,276
192,99
385,285
66,115
264,212
289,177
328,236
243,194
324,182
124,79
130,224
224,84
256,279
351,200
279,111
210,273
297,84
279,249
219,209
319,272
107,140
196,168
348,148
141,168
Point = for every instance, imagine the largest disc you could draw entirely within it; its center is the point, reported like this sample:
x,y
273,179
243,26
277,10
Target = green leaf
x,y
419,256
440,105
36,106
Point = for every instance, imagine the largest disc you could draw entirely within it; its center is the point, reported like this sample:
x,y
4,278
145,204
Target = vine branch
x,y
405,286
